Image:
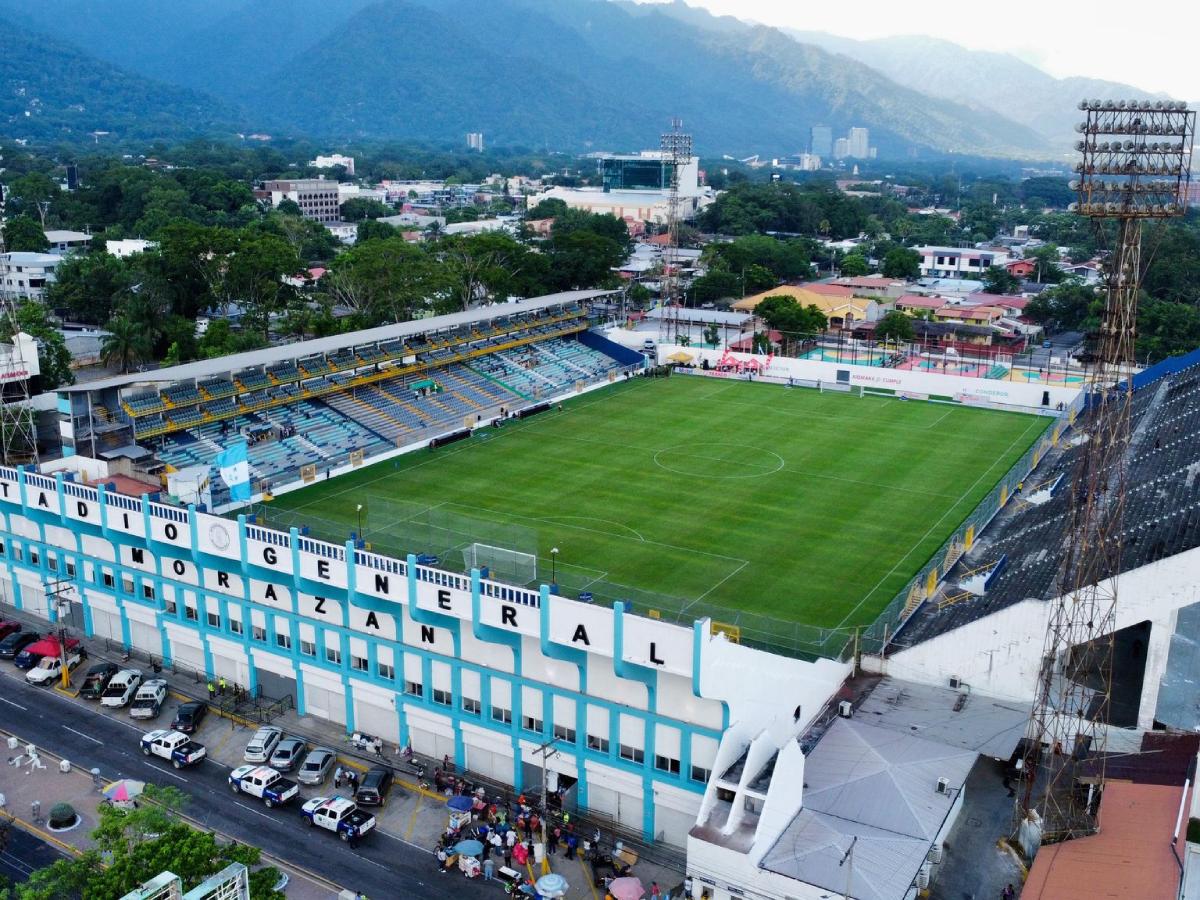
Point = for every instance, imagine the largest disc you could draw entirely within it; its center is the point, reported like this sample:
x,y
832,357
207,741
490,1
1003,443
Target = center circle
x,y
719,460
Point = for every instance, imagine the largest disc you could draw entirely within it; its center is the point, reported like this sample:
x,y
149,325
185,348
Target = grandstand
x,y
313,407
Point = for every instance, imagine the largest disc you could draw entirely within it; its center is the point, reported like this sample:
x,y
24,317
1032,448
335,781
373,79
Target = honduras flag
x,y
234,463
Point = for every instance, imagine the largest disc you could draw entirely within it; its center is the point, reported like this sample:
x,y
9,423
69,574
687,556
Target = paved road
x,y
381,866
23,853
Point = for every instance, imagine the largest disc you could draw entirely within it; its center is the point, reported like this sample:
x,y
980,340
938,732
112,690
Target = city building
x,y
859,141
841,148
231,883
334,159
346,232
958,262
820,140
25,275
128,246
67,241
475,141
317,198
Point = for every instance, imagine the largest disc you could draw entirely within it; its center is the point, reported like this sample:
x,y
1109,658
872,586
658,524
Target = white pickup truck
x,y
173,746
339,815
50,668
263,782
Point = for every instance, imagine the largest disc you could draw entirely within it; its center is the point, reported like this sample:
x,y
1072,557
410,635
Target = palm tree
x,y
125,345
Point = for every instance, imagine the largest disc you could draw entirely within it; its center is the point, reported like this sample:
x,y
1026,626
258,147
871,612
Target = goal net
x,y
501,563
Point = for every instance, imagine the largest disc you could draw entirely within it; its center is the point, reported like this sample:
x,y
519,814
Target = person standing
x,y
221,685
488,867
572,842
337,777
655,893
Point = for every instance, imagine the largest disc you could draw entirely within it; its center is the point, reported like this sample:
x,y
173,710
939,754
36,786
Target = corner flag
x,y
234,464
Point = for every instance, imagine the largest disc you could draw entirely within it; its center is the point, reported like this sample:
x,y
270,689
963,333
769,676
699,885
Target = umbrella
x,y
627,888
124,790
459,803
552,885
468,848
680,357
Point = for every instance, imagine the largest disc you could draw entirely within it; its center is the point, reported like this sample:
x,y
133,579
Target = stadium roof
x,y
266,356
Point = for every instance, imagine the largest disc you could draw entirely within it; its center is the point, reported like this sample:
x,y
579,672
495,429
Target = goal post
x,y
501,562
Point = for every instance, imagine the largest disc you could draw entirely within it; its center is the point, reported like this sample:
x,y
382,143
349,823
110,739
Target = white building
x,y
859,143
958,262
25,275
475,141
334,159
346,232
68,241
128,247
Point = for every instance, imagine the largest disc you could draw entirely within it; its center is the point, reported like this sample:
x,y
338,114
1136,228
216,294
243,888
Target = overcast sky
x,y
1063,37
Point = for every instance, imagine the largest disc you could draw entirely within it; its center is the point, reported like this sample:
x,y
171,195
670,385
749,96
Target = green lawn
x,y
815,508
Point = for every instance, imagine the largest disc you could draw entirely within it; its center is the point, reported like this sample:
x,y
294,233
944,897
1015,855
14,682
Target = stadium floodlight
x,y
554,565
1144,176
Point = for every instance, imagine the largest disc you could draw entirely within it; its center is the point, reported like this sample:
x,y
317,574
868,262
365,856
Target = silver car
x,y
316,766
288,754
262,745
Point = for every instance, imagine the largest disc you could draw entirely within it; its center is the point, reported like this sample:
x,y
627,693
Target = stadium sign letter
x,y
581,635
372,621
42,501
443,600
179,566
223,579
4,485
270,556
427,636
269,593
171,531
381,583
320,608
654,655
323,569
137,555
81,507
508,615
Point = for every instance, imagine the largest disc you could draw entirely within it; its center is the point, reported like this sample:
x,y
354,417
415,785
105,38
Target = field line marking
x,y
721,582
953,507
939,419
554,519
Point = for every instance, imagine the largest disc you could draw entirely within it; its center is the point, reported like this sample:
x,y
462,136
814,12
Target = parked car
x,y
49,668
96,680
7,627
15,643
121,688
148,701
189,716
374,787
316,766
288,754
262,745
33,653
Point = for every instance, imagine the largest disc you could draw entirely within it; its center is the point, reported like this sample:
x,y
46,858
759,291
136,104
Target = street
x,y
381,866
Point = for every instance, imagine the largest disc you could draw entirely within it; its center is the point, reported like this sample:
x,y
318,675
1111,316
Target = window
x,y
386,671
190,613
666,764
633,754
283,640
108,580
33,557
563,733
701,774
52,563
359,663
148,593
442,697
171,607
599,744
415,688
500,714
258,633
333,655
308,648
70,565
529,723
18,553
214,620
235,626
474,707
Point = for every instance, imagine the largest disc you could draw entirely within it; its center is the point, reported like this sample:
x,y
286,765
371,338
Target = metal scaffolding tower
x,y
1135,166
18,432
676,149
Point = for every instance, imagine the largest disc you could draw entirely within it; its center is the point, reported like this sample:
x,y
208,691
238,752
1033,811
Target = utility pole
x,y
546,751
56,592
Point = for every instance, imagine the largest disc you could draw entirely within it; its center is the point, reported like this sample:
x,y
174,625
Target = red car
x,y
7,627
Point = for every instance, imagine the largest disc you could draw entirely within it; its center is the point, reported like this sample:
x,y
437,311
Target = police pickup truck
x,y
174,746
263,782
339,815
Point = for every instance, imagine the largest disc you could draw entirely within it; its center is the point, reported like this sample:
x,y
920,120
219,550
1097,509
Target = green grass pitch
x,y
811,507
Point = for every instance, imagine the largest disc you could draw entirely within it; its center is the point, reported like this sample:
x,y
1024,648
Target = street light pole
x,y
360,534
54,592
554,566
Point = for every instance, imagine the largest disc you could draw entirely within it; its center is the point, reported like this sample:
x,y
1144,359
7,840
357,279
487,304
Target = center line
x,y
10,703
86,737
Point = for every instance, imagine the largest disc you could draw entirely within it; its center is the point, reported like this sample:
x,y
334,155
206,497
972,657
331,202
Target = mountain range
x,y
563,74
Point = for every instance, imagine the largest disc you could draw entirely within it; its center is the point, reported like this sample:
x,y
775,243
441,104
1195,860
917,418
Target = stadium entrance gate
x,y
374,713
274,686
323,696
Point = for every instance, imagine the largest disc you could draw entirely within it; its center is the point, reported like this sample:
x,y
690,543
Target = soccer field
x,y
811,507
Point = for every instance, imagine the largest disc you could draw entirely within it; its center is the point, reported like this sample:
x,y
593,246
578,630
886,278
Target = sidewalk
x,y
414,813
25,785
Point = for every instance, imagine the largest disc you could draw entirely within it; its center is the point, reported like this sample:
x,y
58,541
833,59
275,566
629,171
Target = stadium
x,y
480,532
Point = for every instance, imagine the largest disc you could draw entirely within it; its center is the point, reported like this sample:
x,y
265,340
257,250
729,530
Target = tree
x,y
125,345
356,209
854,264
23,234
289,208
492,265
371,230
385,280
1047,259
998,280
54,359
583,259
89,286
1064,307
783,314
716,285
549,208
901,262
894,326
712,335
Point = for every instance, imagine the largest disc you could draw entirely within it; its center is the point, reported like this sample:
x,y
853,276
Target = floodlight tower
x,y
676,149
1135,166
